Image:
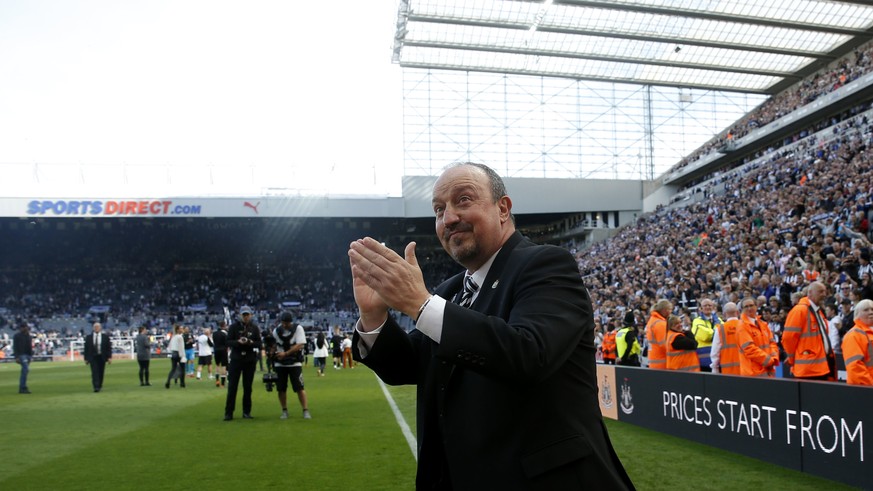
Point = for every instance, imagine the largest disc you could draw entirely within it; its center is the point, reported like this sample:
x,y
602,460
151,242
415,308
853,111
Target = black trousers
x,y
98,366
238,369
143,371
177,369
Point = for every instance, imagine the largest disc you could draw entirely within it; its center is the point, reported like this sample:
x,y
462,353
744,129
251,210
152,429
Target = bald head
x,y
817,292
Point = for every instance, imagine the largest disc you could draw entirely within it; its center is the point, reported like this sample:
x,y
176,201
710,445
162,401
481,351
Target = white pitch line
x,y
404,428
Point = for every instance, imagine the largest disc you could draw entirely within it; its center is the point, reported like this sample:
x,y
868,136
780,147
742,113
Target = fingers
x,y
361,270
373,252
371,261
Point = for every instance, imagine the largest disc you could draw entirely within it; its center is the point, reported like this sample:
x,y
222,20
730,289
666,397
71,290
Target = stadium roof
x,y
758,46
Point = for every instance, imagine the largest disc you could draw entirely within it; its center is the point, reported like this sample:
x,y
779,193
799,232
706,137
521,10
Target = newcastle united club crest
x,y
627,403
606,394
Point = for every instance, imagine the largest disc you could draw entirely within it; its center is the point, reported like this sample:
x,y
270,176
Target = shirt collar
x,y
482,273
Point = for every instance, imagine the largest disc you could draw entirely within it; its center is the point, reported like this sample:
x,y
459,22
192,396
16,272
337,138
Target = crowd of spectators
x,y
829,79
59,276
167,267
810,136
788,219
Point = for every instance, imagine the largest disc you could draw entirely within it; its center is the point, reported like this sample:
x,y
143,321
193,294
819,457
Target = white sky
x,y
93,91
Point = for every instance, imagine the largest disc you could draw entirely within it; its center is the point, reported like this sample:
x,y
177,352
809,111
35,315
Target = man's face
x,y
98,327
706,308
469,224
817,293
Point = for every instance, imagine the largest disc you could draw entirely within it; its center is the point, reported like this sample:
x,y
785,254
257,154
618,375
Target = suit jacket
x,y
246,353
91,351
143,347
508,399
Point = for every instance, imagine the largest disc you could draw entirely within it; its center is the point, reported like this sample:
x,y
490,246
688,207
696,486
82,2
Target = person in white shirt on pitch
x,y
204,352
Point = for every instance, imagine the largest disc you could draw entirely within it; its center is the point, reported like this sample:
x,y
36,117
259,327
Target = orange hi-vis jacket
x,y
758,351
656,335
858,354
608,346
729,354
802,340
680,359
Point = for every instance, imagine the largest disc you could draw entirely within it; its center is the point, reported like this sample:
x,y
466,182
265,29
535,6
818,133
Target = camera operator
x,y
285,350
244,341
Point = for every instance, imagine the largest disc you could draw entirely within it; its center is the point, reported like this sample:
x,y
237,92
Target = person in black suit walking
x,y
98,352
22,349
502,355
244,340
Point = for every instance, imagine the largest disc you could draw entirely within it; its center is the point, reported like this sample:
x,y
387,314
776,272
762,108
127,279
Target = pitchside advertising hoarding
x,y
814,427
82,208
224,207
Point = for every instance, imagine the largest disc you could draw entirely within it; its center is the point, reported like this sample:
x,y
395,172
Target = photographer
x,y
285,351
244,341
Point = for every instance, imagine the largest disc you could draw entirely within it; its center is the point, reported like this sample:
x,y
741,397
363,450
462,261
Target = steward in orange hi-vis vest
x,y
681,347
608,347
729,354
656,334
805,338
858,346
759,353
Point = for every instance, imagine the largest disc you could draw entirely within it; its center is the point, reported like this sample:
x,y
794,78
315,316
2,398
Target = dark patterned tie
x,y
470,288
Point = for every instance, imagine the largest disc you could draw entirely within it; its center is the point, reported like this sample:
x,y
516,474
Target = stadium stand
x,y
836,75
797,210
154,273
804,207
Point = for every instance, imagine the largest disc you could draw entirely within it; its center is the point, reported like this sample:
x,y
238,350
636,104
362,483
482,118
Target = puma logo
x,y
253,207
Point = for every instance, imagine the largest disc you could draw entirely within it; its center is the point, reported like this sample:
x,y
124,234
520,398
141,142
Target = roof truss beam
x,y
699,14
579,76
586,32
583,56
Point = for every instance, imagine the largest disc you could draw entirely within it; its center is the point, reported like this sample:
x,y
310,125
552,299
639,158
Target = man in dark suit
x,y
507,394
98,352
244,341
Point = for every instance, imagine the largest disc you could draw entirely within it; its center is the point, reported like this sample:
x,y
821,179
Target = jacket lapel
x,y
492,279
446,372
